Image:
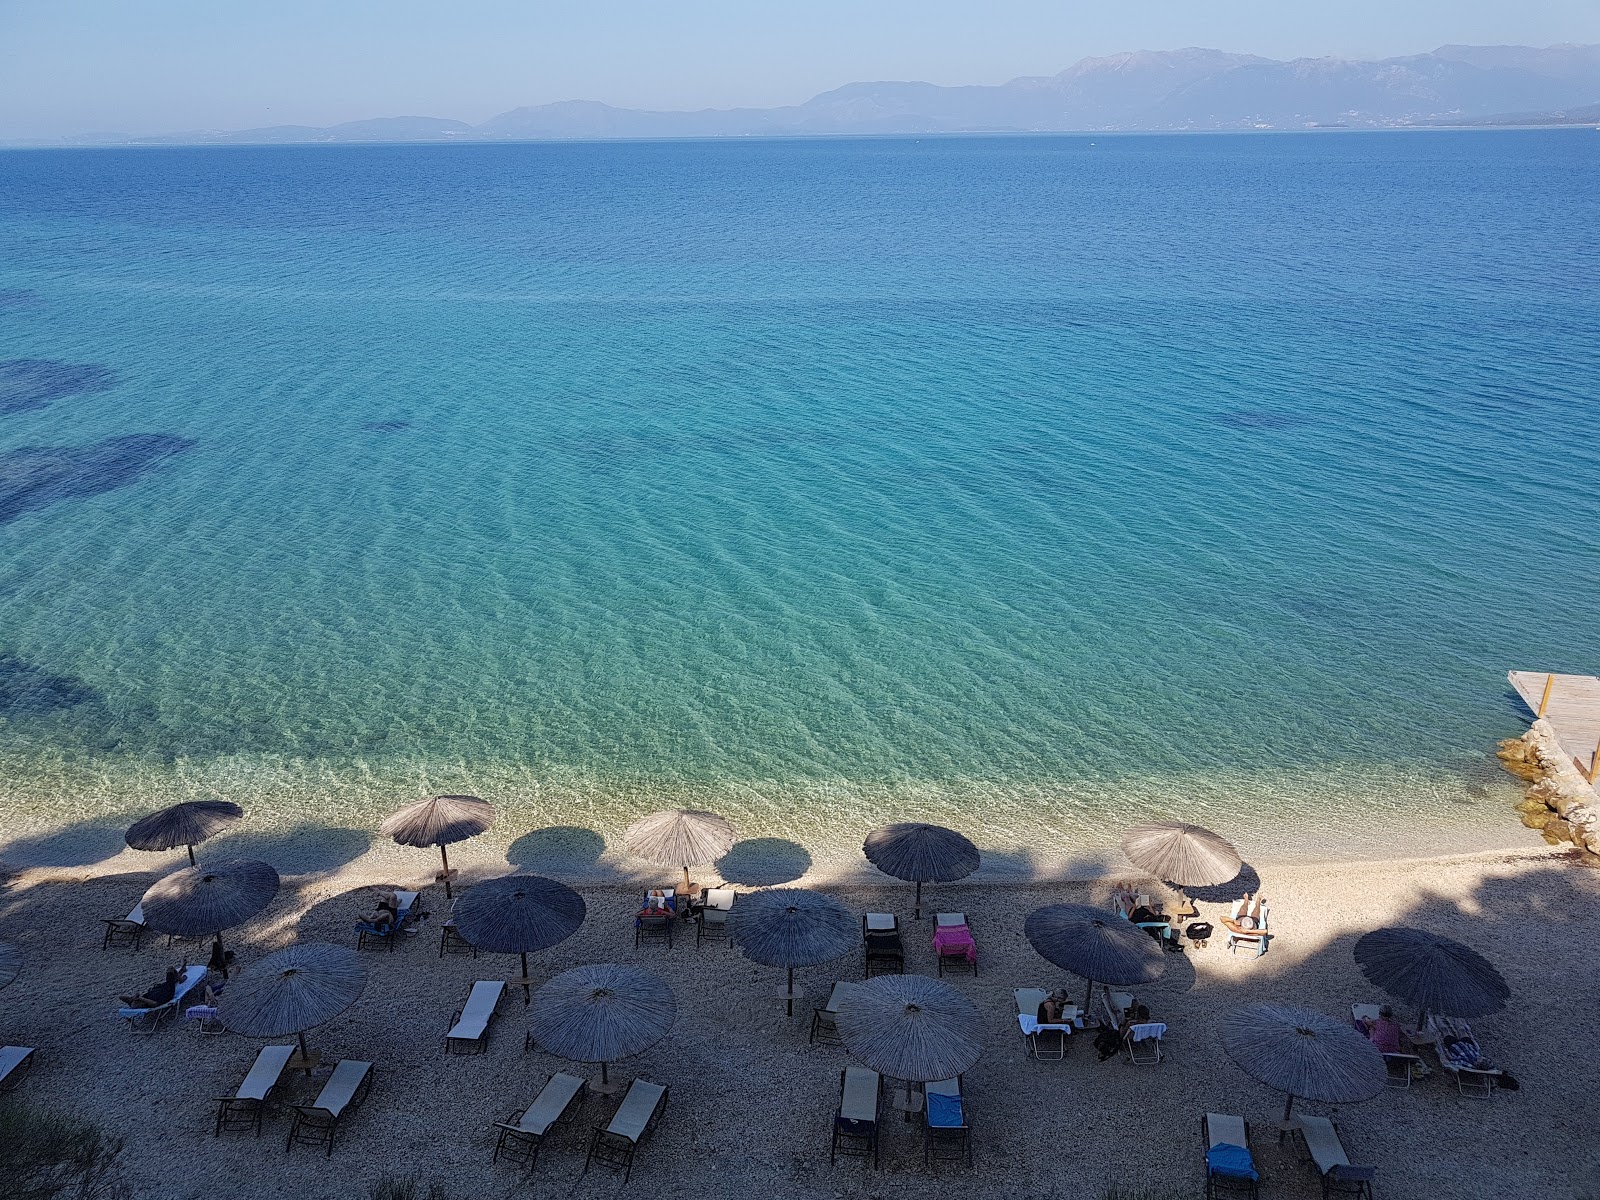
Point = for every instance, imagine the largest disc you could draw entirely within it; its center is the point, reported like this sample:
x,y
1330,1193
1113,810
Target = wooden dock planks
x,y
1573,710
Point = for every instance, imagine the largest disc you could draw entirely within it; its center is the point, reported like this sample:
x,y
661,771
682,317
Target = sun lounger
x,y
451,941
636,1116
654,921
558,1103
879,923
1402,1068
946,1133
408,912
1320,1142
855,1129
469,1028
148,1020
1143,1042
244,1109
1479,1081
1044,1041
15,1062
315,1124
1255,938
885,952
1116,1004
125,931
712,921
1229,1165
824,1026
953,942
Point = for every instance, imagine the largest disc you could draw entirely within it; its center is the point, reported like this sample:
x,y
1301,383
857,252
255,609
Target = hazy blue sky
x,y
70,66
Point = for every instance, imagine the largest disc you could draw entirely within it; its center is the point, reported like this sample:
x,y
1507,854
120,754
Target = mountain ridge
x,y
1190,89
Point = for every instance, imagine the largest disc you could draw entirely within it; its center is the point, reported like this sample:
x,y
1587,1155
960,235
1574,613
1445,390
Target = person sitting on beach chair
x,y
159,994
1383,1031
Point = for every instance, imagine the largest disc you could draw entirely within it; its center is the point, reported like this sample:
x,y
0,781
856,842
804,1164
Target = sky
x,y
153,66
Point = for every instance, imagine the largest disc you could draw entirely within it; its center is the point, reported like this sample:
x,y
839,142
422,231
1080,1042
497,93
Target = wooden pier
x,y
1571,703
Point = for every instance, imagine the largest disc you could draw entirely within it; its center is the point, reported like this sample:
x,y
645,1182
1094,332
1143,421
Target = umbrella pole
x,y
305,1055
791,991
527,998
1088,995
221,954
444,857
686,883
916,912
189,846
1283,1128
604,1082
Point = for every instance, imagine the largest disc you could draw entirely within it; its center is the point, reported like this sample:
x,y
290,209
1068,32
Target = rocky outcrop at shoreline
x,y
1560,802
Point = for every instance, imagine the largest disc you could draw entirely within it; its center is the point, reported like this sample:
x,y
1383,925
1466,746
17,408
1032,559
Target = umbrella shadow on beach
x,y
304,849
764,862
80,844
557,850
1247,880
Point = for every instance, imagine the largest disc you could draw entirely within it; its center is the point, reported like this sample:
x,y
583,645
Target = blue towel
x,y
1233,1161
944,1112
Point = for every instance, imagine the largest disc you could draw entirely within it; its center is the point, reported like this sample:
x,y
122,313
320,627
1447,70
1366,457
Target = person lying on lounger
x,y
158,995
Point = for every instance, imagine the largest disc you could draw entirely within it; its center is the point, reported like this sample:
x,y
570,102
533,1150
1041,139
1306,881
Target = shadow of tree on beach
x,y
80,844
557,850
304,849
763,862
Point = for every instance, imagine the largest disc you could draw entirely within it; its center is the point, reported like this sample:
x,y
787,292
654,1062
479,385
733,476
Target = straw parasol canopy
x,y
440,822
1305,1053
199,900
1437,974
1180,853
921,854
10,963
187,824
792,927
292,991
1093,944
680,837
910,1027
601,1013
518,914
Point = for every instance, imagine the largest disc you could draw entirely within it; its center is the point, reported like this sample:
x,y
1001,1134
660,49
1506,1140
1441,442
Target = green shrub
x,y
49,1155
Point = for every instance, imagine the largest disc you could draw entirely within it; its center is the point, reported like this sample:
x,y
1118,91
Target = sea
x,y
1034,486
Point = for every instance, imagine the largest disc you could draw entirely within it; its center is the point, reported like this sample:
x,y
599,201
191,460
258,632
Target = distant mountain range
x,y
1163,90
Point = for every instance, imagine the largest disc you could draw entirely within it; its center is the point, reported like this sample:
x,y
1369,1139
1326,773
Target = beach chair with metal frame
x,y
615,1144
1319,1143
1117,1005
654,928
125,931
711,921
148,1020
1143,1042
451,941
1477,1082
1257,933
317,1123
1227,1169
1401,1068
855,1128
1028,1001
558,1103
824,1018
15,1062
469,1027
884,952
245,1108
408,912
946,1130
953,943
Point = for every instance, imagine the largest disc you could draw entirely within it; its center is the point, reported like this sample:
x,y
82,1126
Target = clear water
x,y
1032,484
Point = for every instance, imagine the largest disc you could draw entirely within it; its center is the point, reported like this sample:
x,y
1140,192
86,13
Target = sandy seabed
x,y
752,1103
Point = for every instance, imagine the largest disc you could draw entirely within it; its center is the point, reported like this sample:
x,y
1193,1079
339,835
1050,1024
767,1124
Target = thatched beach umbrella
x,y
291,991
680,837
1093,944
187,825
792,927
921,854
518,914
199,900
1302,1052
10,963
1180,853
440,822
601,1013
910,1027
1437,974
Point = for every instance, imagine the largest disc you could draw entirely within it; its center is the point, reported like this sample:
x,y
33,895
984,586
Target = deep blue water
x,y
1033,483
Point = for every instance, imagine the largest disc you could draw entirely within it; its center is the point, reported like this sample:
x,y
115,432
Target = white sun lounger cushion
x,y
550,1103
480,1006
637,1107
136,917
342,1086
880,923
859,1101
1224,1130
12,1057
264,1072
1322,1143
1030,1024
1154,1029
720,899
840,990
949,920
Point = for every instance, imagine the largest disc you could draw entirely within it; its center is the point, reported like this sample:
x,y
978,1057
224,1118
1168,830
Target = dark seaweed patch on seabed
x,y
27,384
34,477
30,691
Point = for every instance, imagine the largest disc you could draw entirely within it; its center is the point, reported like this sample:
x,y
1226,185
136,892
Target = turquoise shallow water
x,y
1032,483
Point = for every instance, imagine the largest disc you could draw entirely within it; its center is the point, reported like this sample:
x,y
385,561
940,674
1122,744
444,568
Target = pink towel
x,y
953,939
